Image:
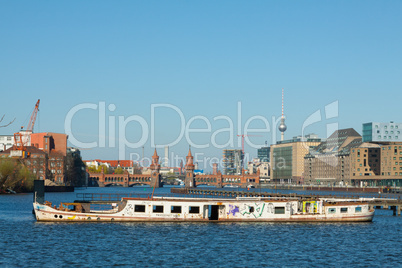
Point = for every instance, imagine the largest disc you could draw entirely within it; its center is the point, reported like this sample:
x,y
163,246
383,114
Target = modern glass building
x,y
382,132
264,154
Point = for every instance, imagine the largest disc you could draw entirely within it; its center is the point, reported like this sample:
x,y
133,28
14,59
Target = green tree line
x,y
15,176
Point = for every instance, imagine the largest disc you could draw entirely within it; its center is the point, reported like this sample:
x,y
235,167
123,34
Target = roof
x,y
339,142
114,163
30,149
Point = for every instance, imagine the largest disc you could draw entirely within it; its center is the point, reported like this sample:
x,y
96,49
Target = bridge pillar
x,y
155,175
189,181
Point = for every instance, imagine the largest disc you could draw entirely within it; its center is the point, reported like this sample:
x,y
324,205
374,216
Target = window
x,y
194,210
280,210
157,209
139,208
175,209
331,210
344,210
358,209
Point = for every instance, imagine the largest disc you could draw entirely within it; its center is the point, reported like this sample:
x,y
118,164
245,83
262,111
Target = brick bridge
x,y
128,180
191,180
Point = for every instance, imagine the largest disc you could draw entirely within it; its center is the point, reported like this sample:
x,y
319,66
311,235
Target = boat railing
x,y
85,197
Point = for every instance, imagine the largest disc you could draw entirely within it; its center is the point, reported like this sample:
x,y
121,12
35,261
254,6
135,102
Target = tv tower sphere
x,y
282,126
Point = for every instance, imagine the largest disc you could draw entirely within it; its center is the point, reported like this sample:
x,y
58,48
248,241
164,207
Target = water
x,y
25,242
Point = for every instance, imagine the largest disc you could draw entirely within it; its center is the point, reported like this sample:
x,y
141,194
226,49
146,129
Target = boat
x,y
178,209
230,186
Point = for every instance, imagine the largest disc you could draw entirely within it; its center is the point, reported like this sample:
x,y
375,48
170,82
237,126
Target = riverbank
x,y
331,188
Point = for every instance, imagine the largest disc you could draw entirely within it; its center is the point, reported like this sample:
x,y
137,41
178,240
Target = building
x,y
125,165
6,142
365,163
261,168
378,165
232,161
49,149
382,132
329,163
391,165
264,154
34,159
50,142
287,158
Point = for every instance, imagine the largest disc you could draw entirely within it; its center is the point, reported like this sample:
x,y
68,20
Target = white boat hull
x,y
206,210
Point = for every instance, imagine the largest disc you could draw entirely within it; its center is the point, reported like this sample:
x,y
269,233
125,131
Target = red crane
x,y
33,117
20,139
242,140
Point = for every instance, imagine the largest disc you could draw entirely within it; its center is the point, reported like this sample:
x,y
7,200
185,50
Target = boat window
x,y
157,209
344,210
358,209
194,210
280,210
251,209
331,210
139,208
175,209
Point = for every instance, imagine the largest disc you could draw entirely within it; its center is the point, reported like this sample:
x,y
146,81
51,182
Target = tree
x,y
6,125
118,170
75,170
15,175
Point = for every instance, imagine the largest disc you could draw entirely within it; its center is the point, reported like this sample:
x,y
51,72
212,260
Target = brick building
x,y
329,163
45,158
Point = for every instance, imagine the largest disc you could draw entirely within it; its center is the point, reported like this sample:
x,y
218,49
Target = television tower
x,y
282,126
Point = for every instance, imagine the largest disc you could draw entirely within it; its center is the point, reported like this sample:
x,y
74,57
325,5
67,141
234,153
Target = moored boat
x,y
240,209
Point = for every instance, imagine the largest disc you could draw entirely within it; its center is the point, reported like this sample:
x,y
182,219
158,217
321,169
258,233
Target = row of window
x,y
173,209
391,127
388,137
191,209
389,173
344,210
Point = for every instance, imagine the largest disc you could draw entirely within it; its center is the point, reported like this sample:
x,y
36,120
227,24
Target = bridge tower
x,y
155,167
189,180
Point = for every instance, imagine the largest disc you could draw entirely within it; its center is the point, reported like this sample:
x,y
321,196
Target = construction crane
x,y
21,138
242,140
242,147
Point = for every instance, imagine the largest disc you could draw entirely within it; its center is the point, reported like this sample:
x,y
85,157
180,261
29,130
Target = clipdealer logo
x,y
108,125
147,130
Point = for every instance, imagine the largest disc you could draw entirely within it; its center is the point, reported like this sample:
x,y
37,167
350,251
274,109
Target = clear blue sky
x,y
203,58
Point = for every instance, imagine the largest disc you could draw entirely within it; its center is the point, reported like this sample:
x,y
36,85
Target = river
x,y
25,242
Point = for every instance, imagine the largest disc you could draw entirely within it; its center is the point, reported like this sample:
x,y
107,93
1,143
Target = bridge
x,y
125,180
128,180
